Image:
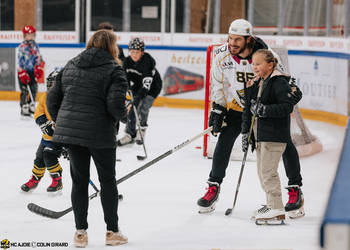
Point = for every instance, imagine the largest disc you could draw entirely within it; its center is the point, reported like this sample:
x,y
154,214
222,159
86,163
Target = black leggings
x,y
104,159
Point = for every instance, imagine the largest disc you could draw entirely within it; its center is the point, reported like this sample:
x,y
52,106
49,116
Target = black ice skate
x,y
25,111
56,183
295,204
31,184
207,202
269,216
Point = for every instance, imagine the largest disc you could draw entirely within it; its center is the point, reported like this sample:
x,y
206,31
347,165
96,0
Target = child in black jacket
x,y
271,129
145,84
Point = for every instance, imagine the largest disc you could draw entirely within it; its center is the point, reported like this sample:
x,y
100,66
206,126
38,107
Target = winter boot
x,y
140,136
56,183
25,110
80,238
127,139
295,204
207,202
31,184
114,239
270,216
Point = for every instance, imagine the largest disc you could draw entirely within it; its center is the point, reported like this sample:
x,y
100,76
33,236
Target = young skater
x,y
29,70
271,128
145,83
48,152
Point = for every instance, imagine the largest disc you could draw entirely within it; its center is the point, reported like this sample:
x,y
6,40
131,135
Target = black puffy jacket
x,y
277,97
88,99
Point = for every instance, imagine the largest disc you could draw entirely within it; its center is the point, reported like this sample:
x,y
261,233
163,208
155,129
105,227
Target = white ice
x,y
159,209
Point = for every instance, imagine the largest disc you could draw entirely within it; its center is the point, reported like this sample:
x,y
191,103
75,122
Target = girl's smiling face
x,y
262,68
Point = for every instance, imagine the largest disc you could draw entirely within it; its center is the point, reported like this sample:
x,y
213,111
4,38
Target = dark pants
x,y
143,108
33,85
104,159
225,144
292,164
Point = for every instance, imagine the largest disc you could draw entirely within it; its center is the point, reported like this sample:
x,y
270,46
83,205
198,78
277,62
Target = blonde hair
x,y
268,56
106,40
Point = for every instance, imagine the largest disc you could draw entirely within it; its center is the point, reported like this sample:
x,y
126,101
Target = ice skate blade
x,y
56,193
269,222
206,210
296,215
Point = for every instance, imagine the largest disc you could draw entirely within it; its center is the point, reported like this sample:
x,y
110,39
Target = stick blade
x,y
228,211
46,212
141,158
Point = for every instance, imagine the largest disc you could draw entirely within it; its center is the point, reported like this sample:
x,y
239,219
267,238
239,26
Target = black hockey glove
x,y
296,92
47,128
65,153
258,109
216,118
245,142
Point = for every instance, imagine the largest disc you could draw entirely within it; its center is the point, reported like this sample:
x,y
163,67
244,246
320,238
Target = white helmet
x,y
241,27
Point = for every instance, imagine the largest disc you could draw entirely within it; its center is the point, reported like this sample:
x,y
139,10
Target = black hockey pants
x,y
143,108
224,146
104,159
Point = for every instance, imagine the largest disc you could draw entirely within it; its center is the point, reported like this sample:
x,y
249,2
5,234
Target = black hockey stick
x,y
55,215
229,210
139,157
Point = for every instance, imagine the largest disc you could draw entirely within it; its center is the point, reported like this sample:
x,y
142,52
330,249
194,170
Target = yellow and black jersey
x,y
41,114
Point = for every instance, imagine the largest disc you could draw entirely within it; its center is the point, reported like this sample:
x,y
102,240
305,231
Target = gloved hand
x,y
47,128
296,92
65,153
258,109
23,76
38,71
216,118
245,142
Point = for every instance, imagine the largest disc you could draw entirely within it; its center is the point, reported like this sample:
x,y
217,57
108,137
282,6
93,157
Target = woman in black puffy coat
x,y
86,102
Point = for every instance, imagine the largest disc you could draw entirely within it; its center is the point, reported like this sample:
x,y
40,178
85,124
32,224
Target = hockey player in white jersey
x,y
231,69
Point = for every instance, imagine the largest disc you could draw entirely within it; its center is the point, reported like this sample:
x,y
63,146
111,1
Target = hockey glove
x,y
216,118
65,153
47,128
296,92
258,109
245,142
23,76
38,71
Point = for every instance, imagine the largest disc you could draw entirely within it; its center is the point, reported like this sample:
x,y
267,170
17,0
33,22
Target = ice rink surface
x,y
159,209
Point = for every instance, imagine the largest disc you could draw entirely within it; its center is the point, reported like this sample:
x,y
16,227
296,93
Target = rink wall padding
x,y
335,228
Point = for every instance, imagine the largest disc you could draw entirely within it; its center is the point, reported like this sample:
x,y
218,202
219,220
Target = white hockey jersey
x,y
229,74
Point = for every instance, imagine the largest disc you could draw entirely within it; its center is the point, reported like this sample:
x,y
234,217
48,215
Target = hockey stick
x,y
30,94
229,210
55,215
139,157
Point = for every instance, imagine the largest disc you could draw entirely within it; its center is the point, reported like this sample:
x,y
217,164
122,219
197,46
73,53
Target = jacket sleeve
x,y
217,76
116,94
284,106
54,98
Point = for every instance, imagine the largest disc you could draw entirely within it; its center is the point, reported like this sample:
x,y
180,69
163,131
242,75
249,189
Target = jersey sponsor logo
x,y
228,65
221,49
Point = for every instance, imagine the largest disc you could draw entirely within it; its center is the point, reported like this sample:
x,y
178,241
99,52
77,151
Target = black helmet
x,y
137,44
51,78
